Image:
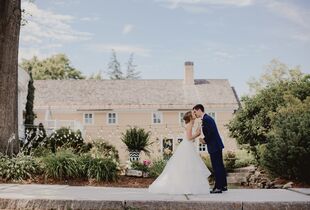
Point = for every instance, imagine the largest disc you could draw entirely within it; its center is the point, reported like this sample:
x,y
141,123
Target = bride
x,y
185,172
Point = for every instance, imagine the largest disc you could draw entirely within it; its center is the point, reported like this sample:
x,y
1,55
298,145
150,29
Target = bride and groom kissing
x,y
185,172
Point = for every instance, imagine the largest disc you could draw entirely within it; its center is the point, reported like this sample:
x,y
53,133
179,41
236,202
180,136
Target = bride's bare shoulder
x,y
188,126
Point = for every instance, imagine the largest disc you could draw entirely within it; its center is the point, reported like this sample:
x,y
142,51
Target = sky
x,y
226,39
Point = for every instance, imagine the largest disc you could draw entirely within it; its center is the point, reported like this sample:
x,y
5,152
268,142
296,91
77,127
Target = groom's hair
x,y
199,106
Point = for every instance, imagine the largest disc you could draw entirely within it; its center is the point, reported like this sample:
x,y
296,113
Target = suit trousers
x,y
219,169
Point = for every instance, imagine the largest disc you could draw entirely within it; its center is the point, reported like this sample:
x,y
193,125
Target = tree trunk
x,y
10,17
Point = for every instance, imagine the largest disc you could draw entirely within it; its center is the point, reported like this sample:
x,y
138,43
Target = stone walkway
x,y
14,196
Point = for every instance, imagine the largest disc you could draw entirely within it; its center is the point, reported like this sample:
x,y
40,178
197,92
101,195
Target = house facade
x,y
104,109
23,80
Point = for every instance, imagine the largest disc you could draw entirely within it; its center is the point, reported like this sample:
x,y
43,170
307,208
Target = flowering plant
x,y
146,162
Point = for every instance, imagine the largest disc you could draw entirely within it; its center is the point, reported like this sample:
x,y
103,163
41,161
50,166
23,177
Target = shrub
x,y
252,123
34,137
157,167
85,160
244,158
65,138
19,168
102,149
287,153
102,169
64,164
40,152
137,139
229,160
139,166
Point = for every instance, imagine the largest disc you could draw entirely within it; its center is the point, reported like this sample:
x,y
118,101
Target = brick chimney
x,y
189,73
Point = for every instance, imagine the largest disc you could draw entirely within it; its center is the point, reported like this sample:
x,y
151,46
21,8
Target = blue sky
x,y
226,39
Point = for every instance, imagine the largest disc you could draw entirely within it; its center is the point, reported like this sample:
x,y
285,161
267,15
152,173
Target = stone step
x,y
236,179
245,169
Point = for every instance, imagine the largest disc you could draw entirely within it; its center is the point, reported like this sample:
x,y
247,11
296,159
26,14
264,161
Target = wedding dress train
x,y
185,173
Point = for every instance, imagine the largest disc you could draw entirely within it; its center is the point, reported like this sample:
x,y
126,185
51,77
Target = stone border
x,y
45,204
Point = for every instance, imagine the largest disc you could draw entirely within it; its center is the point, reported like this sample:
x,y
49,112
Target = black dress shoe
x,y
215,190
224,188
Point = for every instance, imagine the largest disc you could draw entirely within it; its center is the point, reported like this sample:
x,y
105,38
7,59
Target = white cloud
x,y
45,26
89,18
202,5
127,28
290,11
121,48
294,14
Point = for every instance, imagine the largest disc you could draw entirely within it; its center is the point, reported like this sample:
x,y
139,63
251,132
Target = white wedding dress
x,y
185,173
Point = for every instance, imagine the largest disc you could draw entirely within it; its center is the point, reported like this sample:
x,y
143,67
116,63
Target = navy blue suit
x,y
215,146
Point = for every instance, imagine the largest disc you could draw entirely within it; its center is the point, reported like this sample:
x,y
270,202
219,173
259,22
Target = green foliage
x,y
30,129
137,139
244,158
139,166
157,167
65,138
252,123
102,169
287,153
30,115
35,137
85,160
102,149
274,123
40,152
229,160
55,67
19,168
64,164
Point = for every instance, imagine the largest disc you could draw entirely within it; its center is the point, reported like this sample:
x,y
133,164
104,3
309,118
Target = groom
x,y
215,146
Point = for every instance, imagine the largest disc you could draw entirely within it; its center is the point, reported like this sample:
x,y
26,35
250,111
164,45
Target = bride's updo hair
x,y
187,117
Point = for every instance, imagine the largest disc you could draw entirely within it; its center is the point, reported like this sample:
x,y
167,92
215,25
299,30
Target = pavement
x,y
35,196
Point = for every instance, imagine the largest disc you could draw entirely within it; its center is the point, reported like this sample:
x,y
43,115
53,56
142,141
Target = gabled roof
x,y
132,93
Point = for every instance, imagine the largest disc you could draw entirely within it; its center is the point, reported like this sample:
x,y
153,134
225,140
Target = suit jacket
x,y
212,136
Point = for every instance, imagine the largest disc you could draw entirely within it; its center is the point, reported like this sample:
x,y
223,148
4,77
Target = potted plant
x,y
136,140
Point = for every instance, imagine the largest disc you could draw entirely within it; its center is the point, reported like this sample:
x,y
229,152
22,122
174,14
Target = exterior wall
x,y
23,79
170,127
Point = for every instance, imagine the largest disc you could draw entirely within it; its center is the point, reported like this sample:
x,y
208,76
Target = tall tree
x,y
115,71
55,67
131,69
114,68
30,115
276,72
10,20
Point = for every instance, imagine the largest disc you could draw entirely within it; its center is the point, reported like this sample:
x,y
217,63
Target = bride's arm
x,y
189,132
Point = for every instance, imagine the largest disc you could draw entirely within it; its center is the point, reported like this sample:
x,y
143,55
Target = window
x,y
202,147
111,118
211,114
157,118
88,118
181,114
